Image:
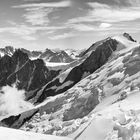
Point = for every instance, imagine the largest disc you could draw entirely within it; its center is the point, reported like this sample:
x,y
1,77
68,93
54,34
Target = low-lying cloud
x,y
12,101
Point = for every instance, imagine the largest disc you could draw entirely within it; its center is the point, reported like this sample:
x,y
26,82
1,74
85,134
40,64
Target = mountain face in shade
x,y
95,60
26,74
97,93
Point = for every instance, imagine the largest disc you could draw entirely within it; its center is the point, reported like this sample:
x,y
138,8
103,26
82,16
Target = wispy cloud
x,y
105,25
38,13
78,28
27,32
31,0
85,27
82,27
105,13
65,3
22,31
62,36
107,18
132,2
102,12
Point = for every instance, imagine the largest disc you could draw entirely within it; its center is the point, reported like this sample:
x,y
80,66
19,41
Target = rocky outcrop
x,y
26,74
129,37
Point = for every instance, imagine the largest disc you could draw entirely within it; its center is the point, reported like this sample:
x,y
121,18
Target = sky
x,y
73,24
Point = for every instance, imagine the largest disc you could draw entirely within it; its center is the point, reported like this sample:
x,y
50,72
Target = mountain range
x,y
92,94
48,55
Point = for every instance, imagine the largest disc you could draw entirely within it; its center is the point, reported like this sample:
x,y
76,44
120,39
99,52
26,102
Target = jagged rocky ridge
x,y
26,74
74,112
48,55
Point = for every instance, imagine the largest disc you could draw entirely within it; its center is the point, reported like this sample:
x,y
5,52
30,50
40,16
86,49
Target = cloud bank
x,y
12,101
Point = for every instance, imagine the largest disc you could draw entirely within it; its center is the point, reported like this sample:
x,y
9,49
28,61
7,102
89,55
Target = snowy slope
x,y
95,107
125,43
117,115
12,134
121,115
51,64
104,87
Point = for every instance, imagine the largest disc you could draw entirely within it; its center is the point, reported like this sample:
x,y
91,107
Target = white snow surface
x,y
124,40
2,54
13,134
127,43
51,64
103,122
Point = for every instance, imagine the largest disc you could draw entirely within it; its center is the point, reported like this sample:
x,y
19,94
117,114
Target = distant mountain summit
x,y
8,50
61,56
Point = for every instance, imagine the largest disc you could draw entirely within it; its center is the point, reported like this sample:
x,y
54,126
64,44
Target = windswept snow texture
x,y
116,121
11,134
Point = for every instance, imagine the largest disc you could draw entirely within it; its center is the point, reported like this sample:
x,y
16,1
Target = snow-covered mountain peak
x,y
125,39
129,37
125,42
8,50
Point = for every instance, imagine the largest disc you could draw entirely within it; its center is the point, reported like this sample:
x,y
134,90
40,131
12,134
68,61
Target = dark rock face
x,y
26,74
96,59
93,47
17,121
9,121
129,37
